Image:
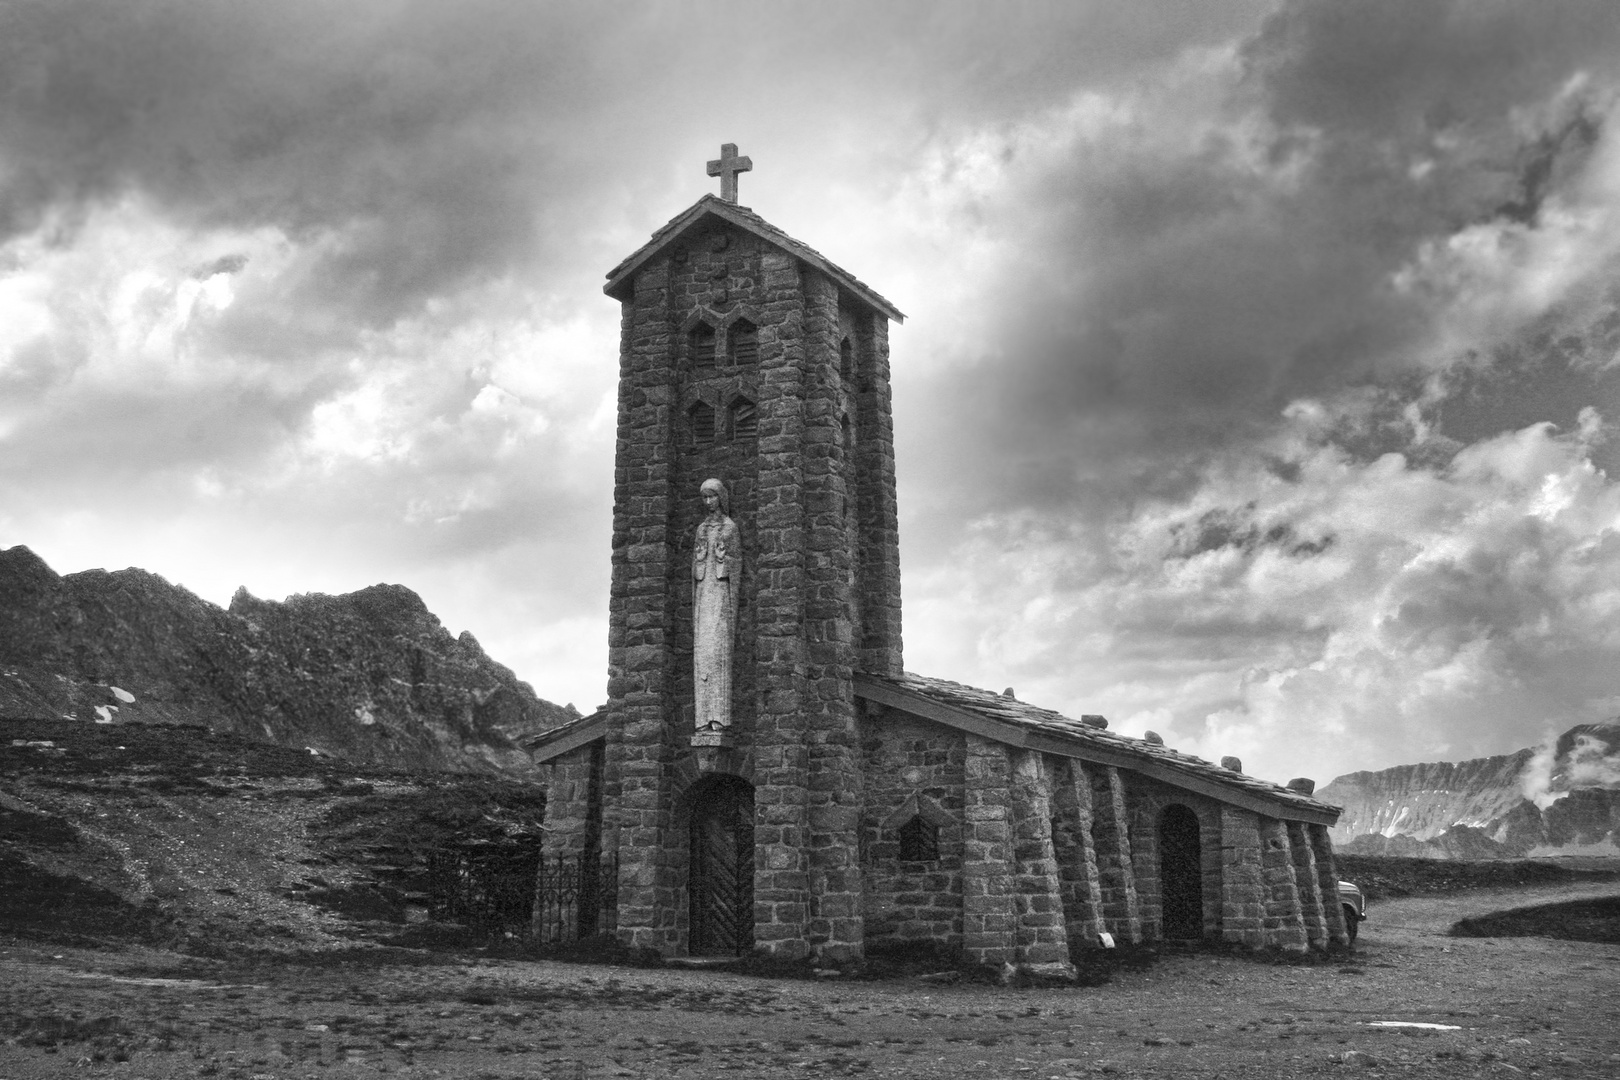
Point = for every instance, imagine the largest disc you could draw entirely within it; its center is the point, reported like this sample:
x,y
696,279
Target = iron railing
x,y
576,896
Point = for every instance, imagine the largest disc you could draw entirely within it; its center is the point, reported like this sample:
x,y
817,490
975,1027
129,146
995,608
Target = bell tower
x,y
746,356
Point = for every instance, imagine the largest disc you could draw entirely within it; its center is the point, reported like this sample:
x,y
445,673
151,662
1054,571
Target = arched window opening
x,y
744,343
701,345
919,840
702,417
744,420
846,363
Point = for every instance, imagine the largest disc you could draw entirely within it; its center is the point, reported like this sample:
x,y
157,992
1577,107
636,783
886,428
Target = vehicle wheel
x,y
1351,923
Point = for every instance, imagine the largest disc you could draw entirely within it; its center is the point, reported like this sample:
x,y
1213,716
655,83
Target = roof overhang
x,y
570,736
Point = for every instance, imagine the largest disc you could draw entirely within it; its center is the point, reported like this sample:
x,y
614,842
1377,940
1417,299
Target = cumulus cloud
x,y
1378,609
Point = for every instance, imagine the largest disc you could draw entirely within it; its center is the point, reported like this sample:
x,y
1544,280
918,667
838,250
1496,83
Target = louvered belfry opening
x,y
701,346
744,343
1181,874
701,416
721,884
744,420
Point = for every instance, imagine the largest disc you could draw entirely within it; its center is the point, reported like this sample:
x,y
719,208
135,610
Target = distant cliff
x,y
371,676
1559,798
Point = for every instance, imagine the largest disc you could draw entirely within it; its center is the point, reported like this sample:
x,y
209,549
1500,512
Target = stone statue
x,y
716,566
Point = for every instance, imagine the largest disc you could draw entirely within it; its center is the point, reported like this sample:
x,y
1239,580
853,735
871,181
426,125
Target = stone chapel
x,y
838,805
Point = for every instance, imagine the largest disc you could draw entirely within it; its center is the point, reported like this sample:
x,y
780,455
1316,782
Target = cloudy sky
x,y
1260,382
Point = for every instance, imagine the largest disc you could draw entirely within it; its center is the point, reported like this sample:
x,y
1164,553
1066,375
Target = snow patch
x,y
122,695
104,713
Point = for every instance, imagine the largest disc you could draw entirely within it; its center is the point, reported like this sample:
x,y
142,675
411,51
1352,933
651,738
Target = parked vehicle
x,y
1355,908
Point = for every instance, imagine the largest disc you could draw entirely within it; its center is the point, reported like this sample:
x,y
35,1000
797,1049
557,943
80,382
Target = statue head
x,y
714,487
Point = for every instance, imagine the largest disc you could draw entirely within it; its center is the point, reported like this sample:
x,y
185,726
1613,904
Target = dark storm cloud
x,y
1409,69
411,148
1178,281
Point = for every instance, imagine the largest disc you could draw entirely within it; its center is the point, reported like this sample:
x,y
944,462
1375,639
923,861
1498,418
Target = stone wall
x,y
573,822
987,853
1148,800
1243,891
1284,920
1328,883
1074,844
643,739
1040,934
1116,870
903,758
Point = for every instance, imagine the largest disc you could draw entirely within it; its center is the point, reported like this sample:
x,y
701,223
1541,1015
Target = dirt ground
x,y
1520,1006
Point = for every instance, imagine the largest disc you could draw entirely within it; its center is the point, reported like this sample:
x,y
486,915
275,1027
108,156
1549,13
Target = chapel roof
x,y
1019,723
620,278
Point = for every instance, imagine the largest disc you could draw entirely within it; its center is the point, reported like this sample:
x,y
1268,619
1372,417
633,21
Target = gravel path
x,y
1520,1007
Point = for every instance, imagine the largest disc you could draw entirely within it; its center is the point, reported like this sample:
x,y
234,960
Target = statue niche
x,y
717,569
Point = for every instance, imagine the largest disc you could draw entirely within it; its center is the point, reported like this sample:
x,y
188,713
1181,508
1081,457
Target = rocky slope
x,y
176,835
371,677
1559,798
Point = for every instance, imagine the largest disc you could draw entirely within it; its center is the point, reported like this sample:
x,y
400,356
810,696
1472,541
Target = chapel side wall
x,y
908,902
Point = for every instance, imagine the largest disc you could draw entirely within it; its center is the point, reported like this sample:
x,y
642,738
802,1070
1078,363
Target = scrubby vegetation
x,y
1572,920
1386,878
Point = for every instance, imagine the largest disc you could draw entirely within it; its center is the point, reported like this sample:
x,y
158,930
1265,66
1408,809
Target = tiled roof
x,y
1024,724
618,285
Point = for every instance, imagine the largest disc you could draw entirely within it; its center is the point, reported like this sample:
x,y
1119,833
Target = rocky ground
x,y
1508,1006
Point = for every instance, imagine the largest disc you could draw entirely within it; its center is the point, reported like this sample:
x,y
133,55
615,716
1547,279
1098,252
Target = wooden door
x,y
721,886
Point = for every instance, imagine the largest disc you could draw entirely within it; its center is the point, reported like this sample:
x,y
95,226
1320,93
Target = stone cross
x,y
727,167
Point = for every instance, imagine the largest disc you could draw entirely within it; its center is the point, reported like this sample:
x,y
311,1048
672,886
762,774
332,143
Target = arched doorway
x,y
1181,879
721,886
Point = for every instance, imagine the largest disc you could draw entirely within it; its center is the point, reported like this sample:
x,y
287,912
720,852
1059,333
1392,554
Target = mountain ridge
x,y
1559,798
370,676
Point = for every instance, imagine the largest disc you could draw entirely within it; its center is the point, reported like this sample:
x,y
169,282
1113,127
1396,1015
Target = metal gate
x,y
721,887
